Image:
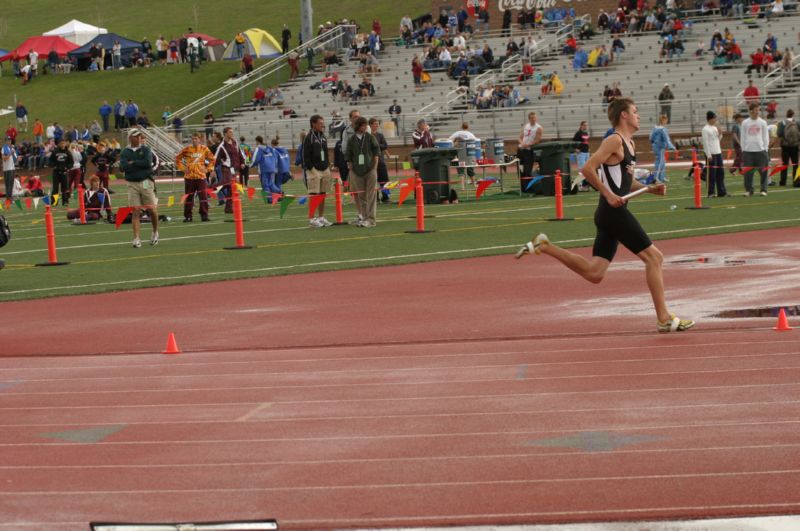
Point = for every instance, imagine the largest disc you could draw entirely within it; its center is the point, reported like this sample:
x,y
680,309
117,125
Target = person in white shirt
x,y
33,60
531,135
459,43
445,58
715,171
755,150
459,140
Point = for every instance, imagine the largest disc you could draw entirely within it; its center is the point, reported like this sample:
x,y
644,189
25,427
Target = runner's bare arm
x,y
610,152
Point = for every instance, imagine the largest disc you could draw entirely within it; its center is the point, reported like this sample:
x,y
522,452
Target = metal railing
x,y
337,38
559,120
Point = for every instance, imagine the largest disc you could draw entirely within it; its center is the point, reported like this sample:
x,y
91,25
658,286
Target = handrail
x,y
646,107
259,73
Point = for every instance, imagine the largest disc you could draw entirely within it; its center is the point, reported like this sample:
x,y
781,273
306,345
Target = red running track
x,y
521,396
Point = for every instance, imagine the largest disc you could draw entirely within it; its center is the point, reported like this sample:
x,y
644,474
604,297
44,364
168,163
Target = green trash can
x,y
553,156
433,165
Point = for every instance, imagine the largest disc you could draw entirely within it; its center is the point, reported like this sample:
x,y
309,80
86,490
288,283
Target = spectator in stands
x,y
665,98
737,9
260,97
506,23
570,45
422,135
772,109
586,32
751,94
293,59
581,59
602,20
416,72
756,62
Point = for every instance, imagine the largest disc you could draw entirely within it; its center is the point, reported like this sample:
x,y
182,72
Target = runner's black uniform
x,y
617,225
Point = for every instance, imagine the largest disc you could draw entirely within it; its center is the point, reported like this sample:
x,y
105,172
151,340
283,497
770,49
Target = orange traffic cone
x,y
783,323
172,346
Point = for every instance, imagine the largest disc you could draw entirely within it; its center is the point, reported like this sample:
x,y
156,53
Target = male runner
x,y
615,160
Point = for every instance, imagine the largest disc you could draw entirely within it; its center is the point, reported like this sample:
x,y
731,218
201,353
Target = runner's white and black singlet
x,y
617,225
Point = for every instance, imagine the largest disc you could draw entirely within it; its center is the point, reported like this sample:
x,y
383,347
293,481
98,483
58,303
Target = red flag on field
x,y
313,203
276,198
482,186
405,189
729,153
29,203
250,192
777,169
746,169
122,213
184,197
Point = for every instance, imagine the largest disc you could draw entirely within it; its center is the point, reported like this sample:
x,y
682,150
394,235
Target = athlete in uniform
x,y
615,160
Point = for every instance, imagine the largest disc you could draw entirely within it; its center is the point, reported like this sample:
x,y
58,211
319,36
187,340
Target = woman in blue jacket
x,y
659,139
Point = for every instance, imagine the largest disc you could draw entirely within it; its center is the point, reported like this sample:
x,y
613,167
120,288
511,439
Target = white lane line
x,y
448,519
458,397
356,372
407,436
422,459
347,262
264,405
433,484
425,382
425,355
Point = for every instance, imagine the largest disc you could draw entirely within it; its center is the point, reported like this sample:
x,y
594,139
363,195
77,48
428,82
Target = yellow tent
x,y
257,43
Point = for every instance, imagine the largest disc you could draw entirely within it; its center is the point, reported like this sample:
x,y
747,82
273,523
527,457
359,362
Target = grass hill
x,y
76,98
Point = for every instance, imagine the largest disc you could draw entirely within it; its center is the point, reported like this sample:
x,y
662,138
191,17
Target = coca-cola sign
x,y
531,4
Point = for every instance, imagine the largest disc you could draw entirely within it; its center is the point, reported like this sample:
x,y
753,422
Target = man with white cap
x,y
136,161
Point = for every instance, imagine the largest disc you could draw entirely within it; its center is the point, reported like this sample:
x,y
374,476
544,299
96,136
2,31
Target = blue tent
x,y
107,40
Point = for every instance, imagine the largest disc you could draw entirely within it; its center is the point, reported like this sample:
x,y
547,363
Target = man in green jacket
x,y
136,161
362,154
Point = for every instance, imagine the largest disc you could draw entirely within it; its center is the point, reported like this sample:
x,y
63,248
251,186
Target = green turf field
x,y
74,99
102,258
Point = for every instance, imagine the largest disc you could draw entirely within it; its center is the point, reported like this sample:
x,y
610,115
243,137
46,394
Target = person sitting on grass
x,y
95,199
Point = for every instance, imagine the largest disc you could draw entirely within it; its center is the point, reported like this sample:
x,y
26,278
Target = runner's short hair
x,y
616,108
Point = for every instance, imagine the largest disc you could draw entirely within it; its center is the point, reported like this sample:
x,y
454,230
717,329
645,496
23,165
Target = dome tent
x,y
76,31
107,40
257,42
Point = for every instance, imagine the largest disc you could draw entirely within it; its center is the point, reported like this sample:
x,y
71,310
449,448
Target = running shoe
x,y
315,223
674,325
137,242
324,222
154,239
534,247
357,221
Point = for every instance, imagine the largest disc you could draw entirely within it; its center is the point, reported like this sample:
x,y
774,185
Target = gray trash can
x,y
434,168
553,156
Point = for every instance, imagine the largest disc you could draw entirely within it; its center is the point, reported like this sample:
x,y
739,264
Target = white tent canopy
x,y
76,31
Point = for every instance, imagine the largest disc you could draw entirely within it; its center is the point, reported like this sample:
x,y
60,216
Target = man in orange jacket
x,y
196,161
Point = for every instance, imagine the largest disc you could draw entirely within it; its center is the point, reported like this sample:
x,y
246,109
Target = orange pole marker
x,y
52,257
